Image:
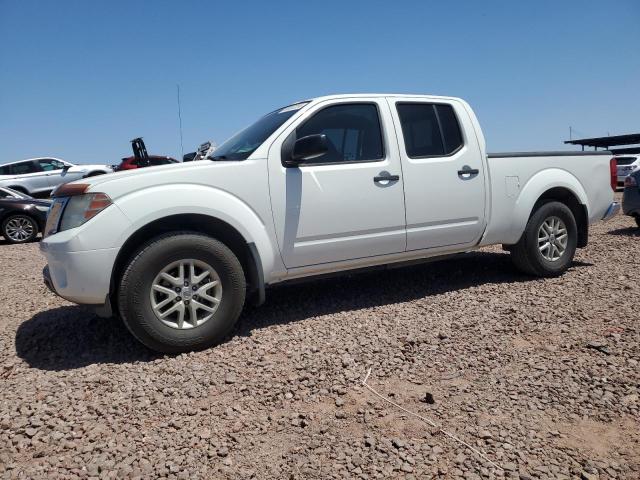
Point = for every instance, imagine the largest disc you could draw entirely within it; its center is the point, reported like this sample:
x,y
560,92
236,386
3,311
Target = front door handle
x,y
467,170
386,177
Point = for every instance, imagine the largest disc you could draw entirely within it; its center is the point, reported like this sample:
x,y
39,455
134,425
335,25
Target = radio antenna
x,y
180,119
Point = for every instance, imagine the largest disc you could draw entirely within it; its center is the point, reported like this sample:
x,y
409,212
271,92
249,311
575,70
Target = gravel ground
x,y
541,375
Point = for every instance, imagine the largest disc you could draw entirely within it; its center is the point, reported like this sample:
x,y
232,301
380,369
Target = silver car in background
x,y
39,176
626,165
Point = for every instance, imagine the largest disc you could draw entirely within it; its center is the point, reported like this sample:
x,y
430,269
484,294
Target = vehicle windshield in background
x,y
243,144
17,194
625,160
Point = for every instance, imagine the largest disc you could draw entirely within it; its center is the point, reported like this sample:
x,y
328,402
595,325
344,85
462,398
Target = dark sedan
x,y
631,197
21,216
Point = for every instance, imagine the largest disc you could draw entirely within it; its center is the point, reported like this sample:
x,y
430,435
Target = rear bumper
x,y
612,211
631,201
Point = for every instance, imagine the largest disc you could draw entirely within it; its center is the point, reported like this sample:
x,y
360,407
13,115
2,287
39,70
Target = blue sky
x,y
79,79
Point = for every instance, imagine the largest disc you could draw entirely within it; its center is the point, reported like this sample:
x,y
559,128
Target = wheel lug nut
x,y
177,289
194,288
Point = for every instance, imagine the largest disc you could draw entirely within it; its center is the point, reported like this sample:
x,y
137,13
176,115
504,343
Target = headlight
x,y
81,208
71,212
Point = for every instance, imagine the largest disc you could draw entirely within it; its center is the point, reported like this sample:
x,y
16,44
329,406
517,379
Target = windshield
x,y
243,144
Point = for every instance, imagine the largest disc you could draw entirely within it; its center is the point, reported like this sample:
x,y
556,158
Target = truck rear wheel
x,y
549,241
182,291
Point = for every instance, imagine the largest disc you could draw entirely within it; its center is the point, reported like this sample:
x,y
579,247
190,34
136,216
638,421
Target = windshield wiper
x,y
216,157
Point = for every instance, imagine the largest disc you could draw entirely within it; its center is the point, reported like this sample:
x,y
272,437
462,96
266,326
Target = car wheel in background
x,y
182,291
549,241
19,229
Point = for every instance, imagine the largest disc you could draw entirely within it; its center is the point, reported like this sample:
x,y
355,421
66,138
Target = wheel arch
x,y
555,185
579,210
244,249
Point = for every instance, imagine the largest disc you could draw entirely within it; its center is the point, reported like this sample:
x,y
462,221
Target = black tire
x,y
526,255
136,283
30,224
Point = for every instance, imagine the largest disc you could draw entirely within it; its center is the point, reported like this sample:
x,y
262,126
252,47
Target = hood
x,y
126,181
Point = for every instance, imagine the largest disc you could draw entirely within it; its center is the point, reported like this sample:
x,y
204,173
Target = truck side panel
x,y
517,182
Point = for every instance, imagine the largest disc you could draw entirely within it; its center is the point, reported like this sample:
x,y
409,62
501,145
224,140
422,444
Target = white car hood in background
x,y
86,168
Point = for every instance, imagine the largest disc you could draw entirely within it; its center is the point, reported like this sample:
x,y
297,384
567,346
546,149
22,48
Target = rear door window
x,y
429,130
22,168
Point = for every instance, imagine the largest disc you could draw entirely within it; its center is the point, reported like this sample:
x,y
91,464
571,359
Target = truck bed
x,y
561,153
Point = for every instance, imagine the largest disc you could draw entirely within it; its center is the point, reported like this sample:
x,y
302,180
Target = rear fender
x,y
534,189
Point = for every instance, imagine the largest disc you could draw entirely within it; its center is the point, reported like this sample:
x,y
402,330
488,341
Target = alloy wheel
x,y
19,229
186,294
552,238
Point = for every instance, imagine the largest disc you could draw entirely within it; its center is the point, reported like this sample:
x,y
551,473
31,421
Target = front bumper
x,y
46,277
612,211
80,277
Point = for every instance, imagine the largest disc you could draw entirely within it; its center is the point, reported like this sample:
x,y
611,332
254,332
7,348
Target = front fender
x,y
176,199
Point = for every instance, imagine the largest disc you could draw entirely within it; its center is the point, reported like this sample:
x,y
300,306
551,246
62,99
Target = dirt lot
x,y
541,375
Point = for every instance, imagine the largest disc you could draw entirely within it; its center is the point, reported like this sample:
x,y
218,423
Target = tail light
x,y
630,181
613,171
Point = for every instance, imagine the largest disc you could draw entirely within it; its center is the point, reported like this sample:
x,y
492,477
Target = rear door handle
x,y
386,177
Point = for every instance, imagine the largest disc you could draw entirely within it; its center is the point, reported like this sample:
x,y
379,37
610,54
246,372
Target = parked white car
x,y
331,184
626,164
37,176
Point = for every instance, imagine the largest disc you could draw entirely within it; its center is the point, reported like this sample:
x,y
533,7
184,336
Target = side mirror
x,y
66,168
308,148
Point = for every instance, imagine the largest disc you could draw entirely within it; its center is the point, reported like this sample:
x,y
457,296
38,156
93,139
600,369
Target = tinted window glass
x,y
450,128
420,129
24,167
625,160
5,170
4,194
353,131
429,130
48,164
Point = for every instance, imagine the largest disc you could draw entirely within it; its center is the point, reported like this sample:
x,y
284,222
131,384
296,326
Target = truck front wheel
x,y
548,244
182,291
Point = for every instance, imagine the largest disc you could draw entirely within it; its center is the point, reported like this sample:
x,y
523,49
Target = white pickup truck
x,y
331,184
